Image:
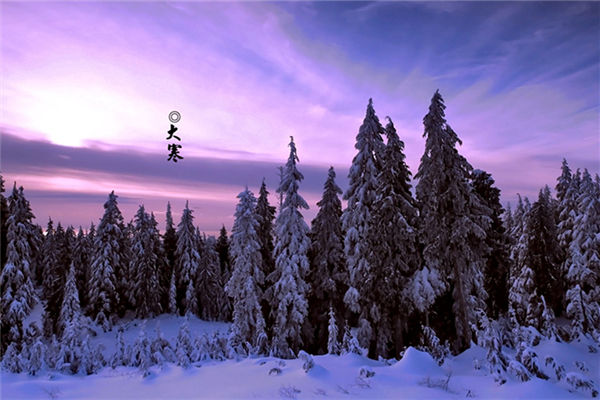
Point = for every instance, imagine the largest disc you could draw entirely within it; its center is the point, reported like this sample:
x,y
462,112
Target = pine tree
x,y
106,261
361,194
328,277
169,246
17,290
266,216
54,278
222,249
452,227
141,355
183,346
3,223
70,353
172,306
498,262
583,262
208,285
36,361
187,259
288,293
543,250
81,260
244,287
144,265
394,254
70,310
333,345
122,355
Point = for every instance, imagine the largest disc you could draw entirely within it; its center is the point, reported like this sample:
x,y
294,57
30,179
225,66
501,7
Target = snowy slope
x,y
416,375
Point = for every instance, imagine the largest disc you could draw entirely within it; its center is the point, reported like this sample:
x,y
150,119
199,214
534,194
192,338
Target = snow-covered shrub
x,y
431,344
581,383
141,355
559,369
12,361
36,360
518,371
366,372
489,338
308,360
529,359
581,366
349,342
122,355
183,346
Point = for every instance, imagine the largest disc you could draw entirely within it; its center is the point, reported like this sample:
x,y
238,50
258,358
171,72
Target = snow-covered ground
x,y
416,375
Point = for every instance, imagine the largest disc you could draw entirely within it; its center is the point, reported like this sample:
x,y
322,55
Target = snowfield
x,y
416,375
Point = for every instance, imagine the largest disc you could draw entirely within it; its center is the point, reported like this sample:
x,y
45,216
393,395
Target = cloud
x,y
55,176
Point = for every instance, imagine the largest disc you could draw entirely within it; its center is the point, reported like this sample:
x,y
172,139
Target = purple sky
x,y
87,88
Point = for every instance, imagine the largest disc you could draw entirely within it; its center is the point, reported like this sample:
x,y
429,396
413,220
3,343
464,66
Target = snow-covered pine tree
x,y
287,294
222,248
543,250
498,261
144,265
567,190
17,290
55,275
106,261
81,261
328,277
266,216
247,277
122,355
208,286
69,327
394,254
183,345
361,194
169,247
12,361
452,227
333,344
70,310
141,355
187,260
36,361
172,305
520,293
583,262
3,223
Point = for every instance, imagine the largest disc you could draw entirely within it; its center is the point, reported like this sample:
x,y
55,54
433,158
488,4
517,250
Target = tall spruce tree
x,y
187,260
328,277
394,254
3,223
144,265
452,227
106,261
244,287
222,248
583,262
17,290
289,306
169,246
54,280
210,291
266,216
498,262
543,250
81,260
361,194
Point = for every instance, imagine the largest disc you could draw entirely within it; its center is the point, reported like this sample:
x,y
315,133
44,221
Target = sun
x,y
69,116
